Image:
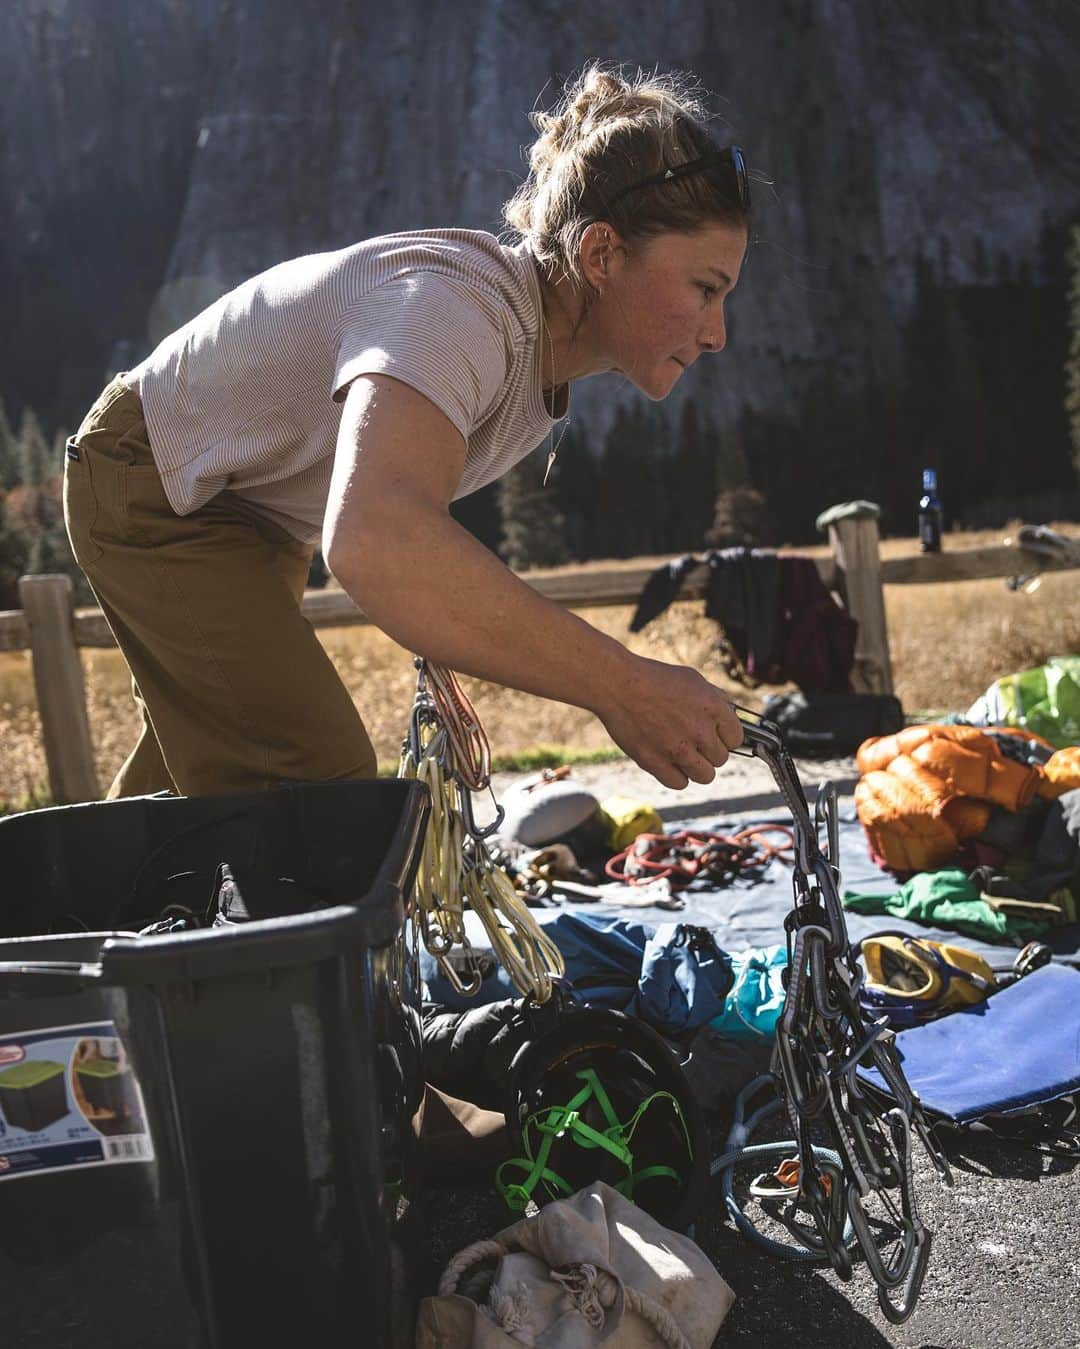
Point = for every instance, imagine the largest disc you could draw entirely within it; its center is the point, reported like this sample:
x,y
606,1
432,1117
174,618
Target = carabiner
x,y
825,813
806,1084
420,716
470,989
899,1312
933,1147
471,827
827,1207
825,877
765,742
824,1202
898,1271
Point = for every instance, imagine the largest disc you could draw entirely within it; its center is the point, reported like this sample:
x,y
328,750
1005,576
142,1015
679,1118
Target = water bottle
x,y
930,515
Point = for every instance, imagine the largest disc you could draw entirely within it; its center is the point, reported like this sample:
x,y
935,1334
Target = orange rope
x,y
686,856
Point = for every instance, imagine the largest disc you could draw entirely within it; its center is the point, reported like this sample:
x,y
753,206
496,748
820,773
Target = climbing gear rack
x,y
447,750
822,1043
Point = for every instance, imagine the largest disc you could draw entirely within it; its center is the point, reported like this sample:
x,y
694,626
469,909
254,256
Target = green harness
x,y
559,1121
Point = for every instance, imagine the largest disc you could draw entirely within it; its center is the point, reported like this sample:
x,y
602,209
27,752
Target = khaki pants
x,y
236,691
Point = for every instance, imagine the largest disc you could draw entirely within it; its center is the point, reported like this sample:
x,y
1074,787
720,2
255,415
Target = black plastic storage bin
x,y
236,1167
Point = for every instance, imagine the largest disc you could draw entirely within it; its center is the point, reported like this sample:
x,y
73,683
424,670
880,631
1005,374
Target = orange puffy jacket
x,y
1061,774
928,789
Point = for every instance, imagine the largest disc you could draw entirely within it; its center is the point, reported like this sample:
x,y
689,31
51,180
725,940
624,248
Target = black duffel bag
x,y
828,725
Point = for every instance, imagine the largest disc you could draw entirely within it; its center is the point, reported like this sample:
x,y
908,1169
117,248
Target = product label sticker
x,y
69,1098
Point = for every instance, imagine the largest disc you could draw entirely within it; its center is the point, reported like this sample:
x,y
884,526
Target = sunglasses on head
x,y
724,167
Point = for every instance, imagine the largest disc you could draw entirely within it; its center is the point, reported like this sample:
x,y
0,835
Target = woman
x,y
351,396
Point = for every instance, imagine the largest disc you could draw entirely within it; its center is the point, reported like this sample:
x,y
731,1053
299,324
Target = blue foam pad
x,y
1019,1048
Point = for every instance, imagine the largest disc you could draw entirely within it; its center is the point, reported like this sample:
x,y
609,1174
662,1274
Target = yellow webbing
x,y
445,730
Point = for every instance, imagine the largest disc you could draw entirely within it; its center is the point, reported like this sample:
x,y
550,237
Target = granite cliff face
x,y
904,298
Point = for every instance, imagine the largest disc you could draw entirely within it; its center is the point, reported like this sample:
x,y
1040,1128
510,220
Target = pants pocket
x,y
143,513
81,507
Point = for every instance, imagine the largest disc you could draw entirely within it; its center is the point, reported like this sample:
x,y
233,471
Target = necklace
x,y
553,444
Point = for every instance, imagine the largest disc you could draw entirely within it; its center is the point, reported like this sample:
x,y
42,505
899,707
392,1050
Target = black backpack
x,y
829,725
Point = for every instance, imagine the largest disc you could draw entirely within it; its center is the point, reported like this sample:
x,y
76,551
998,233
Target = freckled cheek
x,y
665,328
675,331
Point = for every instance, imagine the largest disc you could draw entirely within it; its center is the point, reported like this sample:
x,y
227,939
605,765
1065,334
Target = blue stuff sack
x,y
685,978
1020,1048
753,1006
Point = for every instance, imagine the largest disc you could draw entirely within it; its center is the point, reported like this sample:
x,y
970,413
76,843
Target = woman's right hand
x,y
671,721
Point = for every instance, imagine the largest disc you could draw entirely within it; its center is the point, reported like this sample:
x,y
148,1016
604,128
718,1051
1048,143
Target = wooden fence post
x,y
855,544
47,602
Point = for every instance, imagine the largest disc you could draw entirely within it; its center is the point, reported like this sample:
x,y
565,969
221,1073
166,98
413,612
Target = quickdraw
x,y
446,749
691,855
821,1043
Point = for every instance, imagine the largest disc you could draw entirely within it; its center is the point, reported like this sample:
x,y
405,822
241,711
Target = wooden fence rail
x,y
53,630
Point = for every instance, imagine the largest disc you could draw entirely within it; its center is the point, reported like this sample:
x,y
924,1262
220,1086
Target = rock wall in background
x,y
904,301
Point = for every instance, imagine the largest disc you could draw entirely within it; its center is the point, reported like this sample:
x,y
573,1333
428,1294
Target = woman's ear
x,y
600,245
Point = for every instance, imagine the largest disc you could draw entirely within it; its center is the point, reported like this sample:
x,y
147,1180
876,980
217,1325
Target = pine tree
x,y
741,519
533,528
636,488
693,479
56,457
9,454
732,467
13,551
35,460
33,537
576,483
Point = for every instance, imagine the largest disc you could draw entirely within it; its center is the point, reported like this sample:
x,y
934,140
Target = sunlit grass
x,y
949,641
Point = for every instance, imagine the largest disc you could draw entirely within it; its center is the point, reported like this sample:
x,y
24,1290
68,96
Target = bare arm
x,y
390,540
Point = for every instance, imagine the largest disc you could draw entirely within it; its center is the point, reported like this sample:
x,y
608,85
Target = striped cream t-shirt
x,y
246,397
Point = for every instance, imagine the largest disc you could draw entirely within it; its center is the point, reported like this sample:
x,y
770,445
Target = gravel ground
x,y
1004,1266
742,784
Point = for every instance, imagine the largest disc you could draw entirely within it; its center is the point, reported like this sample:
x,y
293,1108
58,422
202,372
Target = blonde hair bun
x,y
609,129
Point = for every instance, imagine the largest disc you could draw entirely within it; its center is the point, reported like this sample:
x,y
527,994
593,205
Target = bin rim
x,y
261,944
215,952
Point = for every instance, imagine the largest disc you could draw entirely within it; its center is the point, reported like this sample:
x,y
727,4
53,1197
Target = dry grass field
x,y
948,641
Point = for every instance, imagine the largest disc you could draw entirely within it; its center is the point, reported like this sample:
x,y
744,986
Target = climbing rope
x,y
739,1150
692,855
447,750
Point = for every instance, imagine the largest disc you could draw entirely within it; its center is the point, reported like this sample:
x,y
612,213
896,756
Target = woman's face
x,y
662,303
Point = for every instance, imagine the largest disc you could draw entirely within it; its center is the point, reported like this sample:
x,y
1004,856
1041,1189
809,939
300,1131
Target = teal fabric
x,y
753,1006
947,899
